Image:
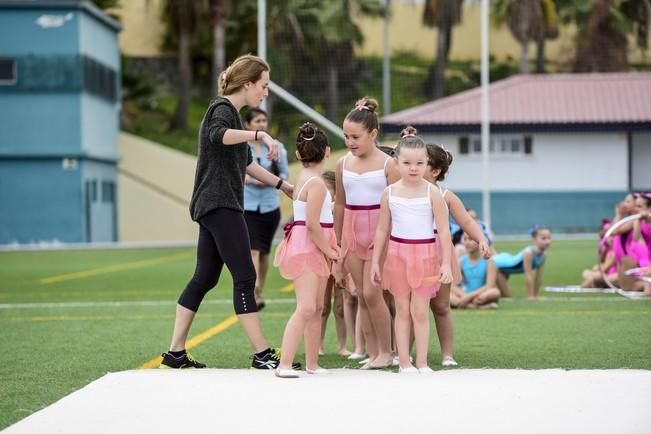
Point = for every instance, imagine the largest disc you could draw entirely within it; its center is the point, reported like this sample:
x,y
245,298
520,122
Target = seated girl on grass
x,y
479,289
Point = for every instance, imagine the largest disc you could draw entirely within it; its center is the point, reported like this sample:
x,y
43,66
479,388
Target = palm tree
x,y
551,32
444,15
604,26
339,33
314,32
182,17
525,19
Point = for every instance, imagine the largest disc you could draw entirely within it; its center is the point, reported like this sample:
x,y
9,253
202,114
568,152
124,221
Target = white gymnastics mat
x,y
351,401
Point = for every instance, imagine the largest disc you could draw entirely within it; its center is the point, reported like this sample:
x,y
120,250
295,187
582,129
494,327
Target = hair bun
x,y
408,131
366,103
307,131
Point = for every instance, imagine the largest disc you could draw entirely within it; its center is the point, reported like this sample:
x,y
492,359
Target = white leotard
x,y
300,207
364,188
411,217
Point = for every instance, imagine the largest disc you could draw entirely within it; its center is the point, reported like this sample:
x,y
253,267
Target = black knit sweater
x,y
219,179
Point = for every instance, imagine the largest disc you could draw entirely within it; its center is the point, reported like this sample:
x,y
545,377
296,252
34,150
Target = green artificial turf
x,y
51,350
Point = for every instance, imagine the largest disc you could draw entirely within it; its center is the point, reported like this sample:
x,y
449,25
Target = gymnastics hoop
x,y
608,233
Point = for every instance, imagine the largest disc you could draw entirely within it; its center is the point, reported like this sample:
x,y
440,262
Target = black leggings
x,y
223,239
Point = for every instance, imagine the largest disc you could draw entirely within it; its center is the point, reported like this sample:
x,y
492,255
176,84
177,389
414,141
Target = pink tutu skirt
x,y
297,253
412,265
454,261
358,230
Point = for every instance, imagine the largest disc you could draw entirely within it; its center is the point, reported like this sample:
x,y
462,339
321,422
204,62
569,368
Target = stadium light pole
x,y
386,65
262,36
485,117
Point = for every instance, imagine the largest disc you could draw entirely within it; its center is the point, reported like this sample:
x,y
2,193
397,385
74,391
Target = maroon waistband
x,y
302,223
409,241
288,226
362,207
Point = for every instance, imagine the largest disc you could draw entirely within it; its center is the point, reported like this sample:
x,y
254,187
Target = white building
x,y
564,147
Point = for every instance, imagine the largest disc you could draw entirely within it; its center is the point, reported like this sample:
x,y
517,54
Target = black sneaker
x,y
269,359
182,362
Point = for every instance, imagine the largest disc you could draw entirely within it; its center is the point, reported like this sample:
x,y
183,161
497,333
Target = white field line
x,y
69,304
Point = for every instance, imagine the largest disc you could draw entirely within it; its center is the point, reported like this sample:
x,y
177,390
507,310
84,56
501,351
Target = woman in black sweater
x,y
224,159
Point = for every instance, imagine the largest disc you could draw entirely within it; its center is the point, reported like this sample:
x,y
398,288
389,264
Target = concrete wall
x,y
559,162
569,182
154,191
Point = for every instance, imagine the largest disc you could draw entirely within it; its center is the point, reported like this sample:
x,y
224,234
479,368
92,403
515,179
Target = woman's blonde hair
x,y
244,69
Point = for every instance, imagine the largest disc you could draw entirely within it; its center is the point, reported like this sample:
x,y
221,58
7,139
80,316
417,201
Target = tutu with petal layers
x,y
412,265
298,253
358,230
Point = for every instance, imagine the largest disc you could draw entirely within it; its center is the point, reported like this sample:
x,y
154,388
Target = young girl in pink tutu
x,y
306,253
415,267
362,176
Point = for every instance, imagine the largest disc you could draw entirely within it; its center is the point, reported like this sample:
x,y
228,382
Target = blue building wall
x,y
41,201
22,35
99,42
36,124
517,212
59,123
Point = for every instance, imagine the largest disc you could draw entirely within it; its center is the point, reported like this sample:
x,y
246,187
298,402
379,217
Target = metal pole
x,y
485,117
307,110
262,36
386,65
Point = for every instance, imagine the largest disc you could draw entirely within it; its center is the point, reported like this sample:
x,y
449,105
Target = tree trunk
x,y
442,46
180,119
524,57
219,54
332,101
540,56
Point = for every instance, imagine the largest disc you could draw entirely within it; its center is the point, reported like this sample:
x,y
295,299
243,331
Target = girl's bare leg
x,y
419,309
380,319
440,306
402,326
350,314
325,313
340,321
313,329
356,268
503,285
307,292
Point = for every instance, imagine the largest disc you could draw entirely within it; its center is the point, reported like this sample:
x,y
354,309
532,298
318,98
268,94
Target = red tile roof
x,y
542,99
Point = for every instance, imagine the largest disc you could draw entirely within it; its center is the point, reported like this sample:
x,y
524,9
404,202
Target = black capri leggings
x,y
223,239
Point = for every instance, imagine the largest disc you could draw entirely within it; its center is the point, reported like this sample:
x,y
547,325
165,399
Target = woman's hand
x,y
272,144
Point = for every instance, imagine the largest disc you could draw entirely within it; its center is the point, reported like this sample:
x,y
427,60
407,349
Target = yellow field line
x,y
198,339
287,288
111,269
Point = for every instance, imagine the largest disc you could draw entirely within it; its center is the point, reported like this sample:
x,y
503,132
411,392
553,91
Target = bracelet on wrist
x,y
280,183
256,135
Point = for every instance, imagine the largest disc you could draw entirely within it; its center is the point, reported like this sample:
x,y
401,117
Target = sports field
x,y
69,317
